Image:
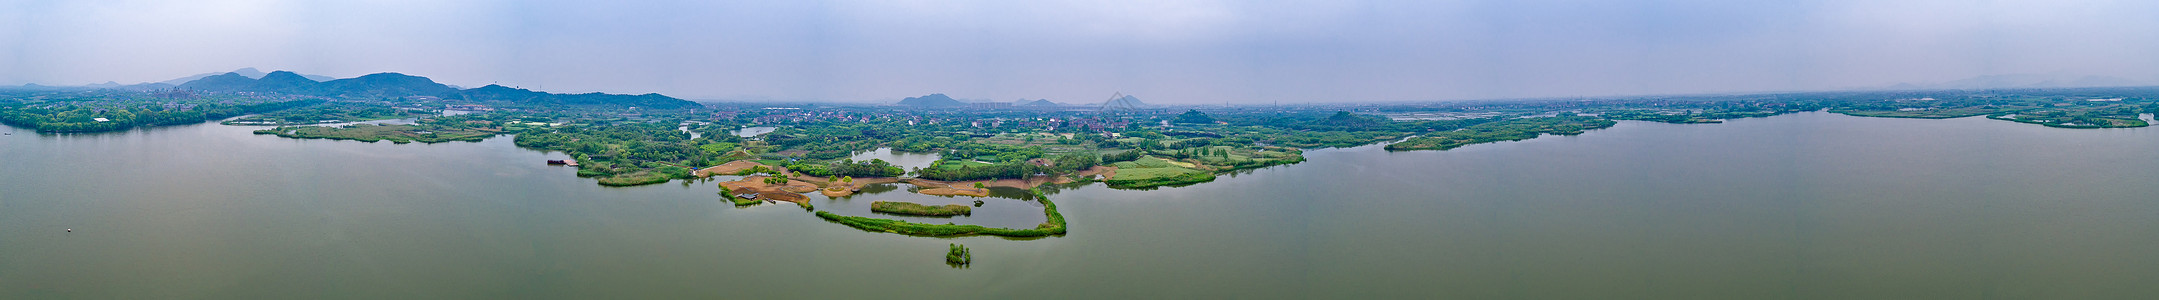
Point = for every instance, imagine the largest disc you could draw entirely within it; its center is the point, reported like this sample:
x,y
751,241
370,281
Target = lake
x,y
1802,206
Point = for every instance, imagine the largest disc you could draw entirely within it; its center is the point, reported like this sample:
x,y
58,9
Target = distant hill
x,y
1037,102
228,82
502,93
250,73
286,82
931,100
372,85
384,85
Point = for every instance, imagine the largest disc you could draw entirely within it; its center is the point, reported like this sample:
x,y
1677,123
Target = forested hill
x,y
523,96
284,82
380,85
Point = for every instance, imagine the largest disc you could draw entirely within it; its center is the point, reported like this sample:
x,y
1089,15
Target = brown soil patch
x,y
943,188
756,184
1105,171
798,186
789,197
819,181
862,181
732,168
832,188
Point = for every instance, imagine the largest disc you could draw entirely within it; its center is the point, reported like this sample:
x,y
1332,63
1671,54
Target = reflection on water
x,y
754,131
909,161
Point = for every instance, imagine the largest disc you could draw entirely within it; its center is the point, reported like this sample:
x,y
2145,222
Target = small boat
x,y
557,162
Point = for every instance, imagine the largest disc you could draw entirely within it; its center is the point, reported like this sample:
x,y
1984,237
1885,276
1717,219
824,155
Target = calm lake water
x,y
1805,206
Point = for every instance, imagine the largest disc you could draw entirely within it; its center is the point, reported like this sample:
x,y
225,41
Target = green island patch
x,y
1501,131
1151,171
958,255
370,133
1055,225
913,209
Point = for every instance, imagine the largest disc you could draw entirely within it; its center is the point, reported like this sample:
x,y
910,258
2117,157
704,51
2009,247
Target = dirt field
x,y
732,168
1105,171
791,192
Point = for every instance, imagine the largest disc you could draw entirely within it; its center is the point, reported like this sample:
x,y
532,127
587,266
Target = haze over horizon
x,y
1179,52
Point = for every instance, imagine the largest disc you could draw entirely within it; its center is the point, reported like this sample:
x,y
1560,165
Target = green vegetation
x,y
1930,112
1509,130
913,209
1193,117
1011,166
776,179
394,133
958,255
1148,172
850,168
2078,116
739,201
638,178
333,112
634,153
109,112
1055,225
1157,177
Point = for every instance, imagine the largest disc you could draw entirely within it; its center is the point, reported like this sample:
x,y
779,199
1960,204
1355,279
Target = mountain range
x,y
381,85
251,73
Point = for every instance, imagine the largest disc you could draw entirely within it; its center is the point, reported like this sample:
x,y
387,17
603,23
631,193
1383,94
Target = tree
x,y
1193,117
980,186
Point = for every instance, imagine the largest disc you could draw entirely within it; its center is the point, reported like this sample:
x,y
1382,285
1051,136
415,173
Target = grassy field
x,y
636,178
1152,171
957,163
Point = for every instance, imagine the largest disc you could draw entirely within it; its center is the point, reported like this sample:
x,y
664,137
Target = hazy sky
x,y
1082,51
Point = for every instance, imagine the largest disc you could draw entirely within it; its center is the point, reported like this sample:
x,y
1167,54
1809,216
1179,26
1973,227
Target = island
x,y
915,209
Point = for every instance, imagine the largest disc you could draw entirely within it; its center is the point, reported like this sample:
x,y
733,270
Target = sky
x,y
1163,51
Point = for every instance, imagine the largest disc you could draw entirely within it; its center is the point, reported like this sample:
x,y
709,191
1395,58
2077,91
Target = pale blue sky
x,y
1081,51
